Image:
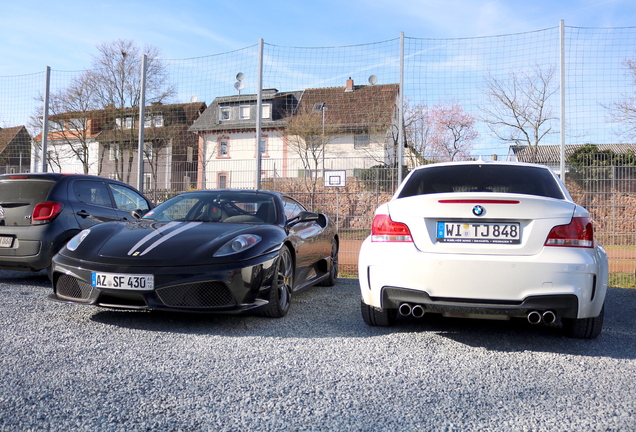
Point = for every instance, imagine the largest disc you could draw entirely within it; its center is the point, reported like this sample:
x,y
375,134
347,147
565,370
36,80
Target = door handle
x,y
83,213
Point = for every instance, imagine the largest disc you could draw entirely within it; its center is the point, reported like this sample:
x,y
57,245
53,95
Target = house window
x,y
263,146
361,140
56,126
113,152
222,181
267,111
147,181
224,114
148,150
244,112
156,121
78,124
224,148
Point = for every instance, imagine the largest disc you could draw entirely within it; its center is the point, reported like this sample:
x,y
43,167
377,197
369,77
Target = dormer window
x,y
56,126
77,124
224,113
124,123
154,120
318,106
267,111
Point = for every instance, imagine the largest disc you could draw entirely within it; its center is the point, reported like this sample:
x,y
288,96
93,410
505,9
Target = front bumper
x,y
233,288
569,281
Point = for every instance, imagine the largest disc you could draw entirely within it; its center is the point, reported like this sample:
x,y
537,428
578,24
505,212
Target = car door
x,y
91,202
307,240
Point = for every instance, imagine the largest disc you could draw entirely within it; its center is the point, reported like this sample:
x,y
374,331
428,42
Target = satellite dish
x,y
240,76
194,99
239,85
373,79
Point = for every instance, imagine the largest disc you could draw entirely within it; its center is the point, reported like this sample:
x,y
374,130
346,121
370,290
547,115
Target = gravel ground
x,y
320,368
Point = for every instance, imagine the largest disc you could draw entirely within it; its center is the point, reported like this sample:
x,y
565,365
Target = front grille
x,y
74,289
197,295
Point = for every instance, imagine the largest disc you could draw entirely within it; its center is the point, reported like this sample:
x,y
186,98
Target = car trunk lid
x,y
481,223
19,197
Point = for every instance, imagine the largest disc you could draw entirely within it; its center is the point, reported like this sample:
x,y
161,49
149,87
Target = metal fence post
x,y
142,121
259,114
401,113
45,117
562,92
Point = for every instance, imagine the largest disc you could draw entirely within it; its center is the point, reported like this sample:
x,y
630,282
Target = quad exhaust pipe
x,y
416,311
538,317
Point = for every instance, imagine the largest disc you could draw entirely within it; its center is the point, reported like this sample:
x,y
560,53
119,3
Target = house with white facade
x,y
303,133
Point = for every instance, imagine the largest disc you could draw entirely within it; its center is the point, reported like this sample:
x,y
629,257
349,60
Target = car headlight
x,y
77,240
238,244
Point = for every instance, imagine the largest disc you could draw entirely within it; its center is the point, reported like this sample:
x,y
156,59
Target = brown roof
x,y
354,106
7,135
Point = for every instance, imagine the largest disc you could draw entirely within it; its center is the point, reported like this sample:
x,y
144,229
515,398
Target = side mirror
x,y
138,213
304,216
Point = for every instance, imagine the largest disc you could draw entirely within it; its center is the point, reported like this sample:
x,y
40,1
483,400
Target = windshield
x,y
212,206
519,179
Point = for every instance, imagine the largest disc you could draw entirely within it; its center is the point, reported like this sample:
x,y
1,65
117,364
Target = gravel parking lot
x,y
318,369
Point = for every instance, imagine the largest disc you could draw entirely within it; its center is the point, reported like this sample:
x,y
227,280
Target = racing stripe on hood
x,y
134,250
156,232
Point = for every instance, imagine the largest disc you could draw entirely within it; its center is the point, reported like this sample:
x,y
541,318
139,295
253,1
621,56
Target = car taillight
x,y
45,212
578,233
385,230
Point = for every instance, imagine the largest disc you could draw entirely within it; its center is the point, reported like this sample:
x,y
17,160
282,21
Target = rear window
x,y
24,191
482,178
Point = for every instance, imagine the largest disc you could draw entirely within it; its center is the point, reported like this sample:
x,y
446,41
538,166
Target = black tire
x,y
282,286
333,269
377,317
584,328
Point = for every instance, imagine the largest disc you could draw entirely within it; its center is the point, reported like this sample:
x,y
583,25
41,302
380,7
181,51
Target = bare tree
x,y
417,131
112,87
623,112
115,80
518,111
308,136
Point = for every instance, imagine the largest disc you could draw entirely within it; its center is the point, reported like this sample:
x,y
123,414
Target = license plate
x,y
123,281
6,242
462,232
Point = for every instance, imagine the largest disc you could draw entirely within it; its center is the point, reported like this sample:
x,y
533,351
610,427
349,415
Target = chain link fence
x,y
201,120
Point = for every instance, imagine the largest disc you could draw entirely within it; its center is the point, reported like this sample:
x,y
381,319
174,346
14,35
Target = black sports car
x,y
203,251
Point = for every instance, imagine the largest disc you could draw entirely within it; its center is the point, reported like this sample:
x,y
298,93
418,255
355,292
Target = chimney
x,y
349,87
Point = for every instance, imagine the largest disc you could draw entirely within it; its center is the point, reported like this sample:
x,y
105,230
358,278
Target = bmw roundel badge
x,y
478,210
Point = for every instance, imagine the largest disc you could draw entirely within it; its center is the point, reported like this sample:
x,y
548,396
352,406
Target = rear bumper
x,y
570,281
33,247
566,305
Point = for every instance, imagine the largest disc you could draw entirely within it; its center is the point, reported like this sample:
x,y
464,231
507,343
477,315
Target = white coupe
x,y
492,240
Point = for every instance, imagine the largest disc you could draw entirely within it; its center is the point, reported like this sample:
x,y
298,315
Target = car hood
x,y
171,243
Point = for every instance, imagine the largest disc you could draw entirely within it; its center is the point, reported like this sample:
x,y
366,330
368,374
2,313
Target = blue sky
x,y
63,35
